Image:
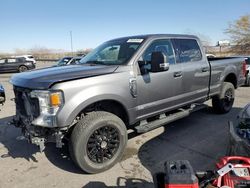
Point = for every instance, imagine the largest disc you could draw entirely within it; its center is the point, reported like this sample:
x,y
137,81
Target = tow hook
x,y
39,142
59,137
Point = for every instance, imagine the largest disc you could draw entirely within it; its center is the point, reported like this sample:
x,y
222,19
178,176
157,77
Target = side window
x,y
11,60
164,46
18,60
2,61
187,50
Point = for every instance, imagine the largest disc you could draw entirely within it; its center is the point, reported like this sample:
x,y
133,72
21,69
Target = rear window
x,y
163,46
31,57
11,60
187,50
20,59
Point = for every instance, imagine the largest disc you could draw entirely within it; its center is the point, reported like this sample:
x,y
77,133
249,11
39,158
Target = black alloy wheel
x,y
103,144
98,141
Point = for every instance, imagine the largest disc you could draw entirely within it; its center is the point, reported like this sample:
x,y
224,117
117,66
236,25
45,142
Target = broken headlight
x,y
50,103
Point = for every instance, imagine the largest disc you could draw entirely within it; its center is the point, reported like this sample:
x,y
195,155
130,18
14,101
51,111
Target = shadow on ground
x,y
17,148
61,158
121,183
200,138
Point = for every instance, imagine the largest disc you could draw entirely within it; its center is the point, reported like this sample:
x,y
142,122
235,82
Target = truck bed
x,y
221,58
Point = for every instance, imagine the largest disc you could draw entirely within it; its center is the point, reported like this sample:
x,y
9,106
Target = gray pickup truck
x,y
138,82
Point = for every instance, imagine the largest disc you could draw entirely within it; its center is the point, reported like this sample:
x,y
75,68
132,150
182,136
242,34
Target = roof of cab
x,y
149,36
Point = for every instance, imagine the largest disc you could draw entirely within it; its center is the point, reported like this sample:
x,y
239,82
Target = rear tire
x,y
22,68
98,141
223,103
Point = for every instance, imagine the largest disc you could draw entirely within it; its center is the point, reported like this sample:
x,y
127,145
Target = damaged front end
x,y
40,135
36,112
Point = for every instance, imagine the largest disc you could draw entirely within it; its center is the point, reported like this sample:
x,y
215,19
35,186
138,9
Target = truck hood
x,y
45,78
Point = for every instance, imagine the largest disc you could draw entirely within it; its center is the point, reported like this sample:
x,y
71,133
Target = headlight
x,y
49,103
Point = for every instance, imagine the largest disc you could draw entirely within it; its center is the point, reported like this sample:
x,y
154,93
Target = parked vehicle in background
x,y
247,73
74,61
64,61
28,58
2,94
69,61
17,64
140,82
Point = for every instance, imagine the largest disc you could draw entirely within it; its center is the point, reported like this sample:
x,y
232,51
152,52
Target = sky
x,y
27,24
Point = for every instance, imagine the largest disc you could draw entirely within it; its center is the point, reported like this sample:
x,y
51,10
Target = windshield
x,y
113,52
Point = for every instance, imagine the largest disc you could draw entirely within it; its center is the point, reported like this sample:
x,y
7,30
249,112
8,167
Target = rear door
x,y
194,70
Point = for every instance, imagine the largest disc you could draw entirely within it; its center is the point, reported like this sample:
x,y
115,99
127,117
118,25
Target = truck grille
x,y
25,105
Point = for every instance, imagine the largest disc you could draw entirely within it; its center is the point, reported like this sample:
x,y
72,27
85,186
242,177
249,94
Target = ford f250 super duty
x,y
138,82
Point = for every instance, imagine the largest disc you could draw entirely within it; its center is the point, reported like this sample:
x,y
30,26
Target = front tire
x,y
98,141
223,103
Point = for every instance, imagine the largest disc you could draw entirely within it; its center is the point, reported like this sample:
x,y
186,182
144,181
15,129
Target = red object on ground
x,y
180,174
237,178
244,67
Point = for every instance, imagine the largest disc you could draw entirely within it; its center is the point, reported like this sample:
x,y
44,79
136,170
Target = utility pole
x,y
71,43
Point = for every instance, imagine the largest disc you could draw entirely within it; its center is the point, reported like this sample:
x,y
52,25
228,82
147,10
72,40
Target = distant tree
x,y
19,51
206,40
239,32
83,52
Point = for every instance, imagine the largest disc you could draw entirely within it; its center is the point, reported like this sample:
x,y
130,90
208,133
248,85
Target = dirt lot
x,y
201,138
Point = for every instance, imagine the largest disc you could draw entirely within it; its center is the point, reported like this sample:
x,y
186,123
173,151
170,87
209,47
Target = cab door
x,y
158,91
11,64
195,70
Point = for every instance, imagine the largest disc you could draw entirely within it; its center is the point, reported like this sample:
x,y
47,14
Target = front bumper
x,y
39,135
27,110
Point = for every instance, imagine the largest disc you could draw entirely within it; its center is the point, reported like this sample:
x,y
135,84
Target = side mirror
x,y
159,62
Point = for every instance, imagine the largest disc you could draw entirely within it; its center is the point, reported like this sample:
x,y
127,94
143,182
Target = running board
x,y
165,119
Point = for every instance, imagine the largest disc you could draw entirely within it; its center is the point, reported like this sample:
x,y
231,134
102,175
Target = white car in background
x,y
28,58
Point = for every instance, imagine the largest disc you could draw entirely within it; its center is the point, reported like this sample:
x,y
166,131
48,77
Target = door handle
x,y
205,69
177,74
